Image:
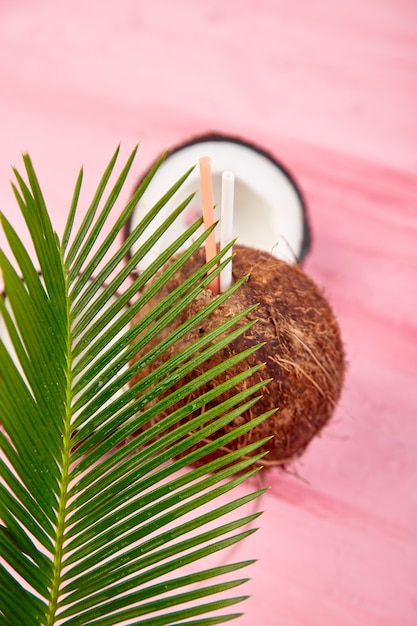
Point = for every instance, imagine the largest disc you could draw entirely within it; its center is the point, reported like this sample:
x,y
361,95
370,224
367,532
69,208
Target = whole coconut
x,y
303,351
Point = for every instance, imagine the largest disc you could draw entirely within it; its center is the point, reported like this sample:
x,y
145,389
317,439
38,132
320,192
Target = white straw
x,y
226,226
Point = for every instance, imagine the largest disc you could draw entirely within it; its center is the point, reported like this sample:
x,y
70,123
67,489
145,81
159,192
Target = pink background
x,y
329,87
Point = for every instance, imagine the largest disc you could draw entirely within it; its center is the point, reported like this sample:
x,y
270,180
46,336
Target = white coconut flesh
x,y
268,209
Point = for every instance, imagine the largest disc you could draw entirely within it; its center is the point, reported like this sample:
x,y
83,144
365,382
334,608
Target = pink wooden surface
x,y
330,87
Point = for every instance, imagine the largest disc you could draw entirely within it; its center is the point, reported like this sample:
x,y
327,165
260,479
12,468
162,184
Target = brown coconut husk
x,y
303,351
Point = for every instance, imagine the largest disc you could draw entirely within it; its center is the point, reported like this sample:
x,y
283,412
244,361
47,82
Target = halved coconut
x,y
270,213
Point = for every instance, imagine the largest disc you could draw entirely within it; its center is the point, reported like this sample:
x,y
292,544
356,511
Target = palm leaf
x,y
93,531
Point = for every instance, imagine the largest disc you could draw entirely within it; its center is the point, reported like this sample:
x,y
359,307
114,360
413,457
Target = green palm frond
x,y
105,520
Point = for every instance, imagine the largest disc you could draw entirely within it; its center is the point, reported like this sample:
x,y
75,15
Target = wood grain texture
x,y
330,88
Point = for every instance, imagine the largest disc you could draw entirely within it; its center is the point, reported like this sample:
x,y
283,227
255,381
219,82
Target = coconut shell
x,y
303,351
